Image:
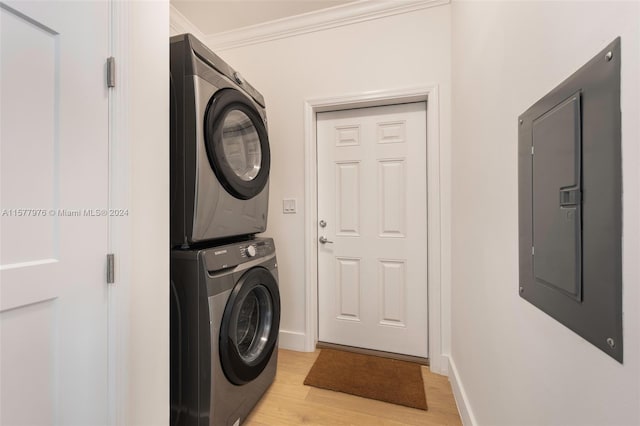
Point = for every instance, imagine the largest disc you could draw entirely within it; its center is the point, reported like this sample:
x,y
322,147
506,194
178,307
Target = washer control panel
x,y
256,248
230,255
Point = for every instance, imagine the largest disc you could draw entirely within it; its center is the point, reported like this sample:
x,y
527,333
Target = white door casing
x,y
372,205
437,213
54,156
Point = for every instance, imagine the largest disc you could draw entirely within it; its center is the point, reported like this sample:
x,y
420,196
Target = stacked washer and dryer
x,y
225,303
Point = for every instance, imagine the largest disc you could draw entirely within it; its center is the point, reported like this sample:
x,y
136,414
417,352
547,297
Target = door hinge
x,y
111,71
532,150
111,268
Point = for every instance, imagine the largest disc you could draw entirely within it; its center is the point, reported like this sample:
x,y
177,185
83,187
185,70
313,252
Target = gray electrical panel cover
x,y
570,202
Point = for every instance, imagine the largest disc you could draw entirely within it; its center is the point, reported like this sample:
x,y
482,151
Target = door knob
x,y
323,240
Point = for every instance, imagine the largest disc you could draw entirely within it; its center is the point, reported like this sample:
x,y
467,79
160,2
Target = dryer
x,y
225,316
220,156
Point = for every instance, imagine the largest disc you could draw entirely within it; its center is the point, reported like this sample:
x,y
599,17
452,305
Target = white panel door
x,y
372,210
54,189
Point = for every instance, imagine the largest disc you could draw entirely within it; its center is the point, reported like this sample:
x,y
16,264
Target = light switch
x,y
289,205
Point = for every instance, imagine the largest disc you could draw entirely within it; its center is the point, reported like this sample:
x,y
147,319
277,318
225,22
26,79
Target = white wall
x,y
147,343
400,51
517,365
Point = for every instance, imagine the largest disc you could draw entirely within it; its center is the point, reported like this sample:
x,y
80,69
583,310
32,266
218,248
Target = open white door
x,y
372,224
54,192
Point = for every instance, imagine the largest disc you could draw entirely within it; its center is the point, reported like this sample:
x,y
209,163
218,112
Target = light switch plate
x,y
289,205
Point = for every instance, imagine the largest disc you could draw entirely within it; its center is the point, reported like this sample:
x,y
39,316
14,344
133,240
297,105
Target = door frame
x,y
312,106
139,340
119,238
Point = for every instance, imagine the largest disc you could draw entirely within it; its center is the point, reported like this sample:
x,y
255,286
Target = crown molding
x,y
338,16
179,24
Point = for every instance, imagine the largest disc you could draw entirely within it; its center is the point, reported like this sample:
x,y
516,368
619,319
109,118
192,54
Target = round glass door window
x,y
241,145
249,329
254,324
237,144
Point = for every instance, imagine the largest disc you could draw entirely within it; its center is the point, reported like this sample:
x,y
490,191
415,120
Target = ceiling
x,y
216,16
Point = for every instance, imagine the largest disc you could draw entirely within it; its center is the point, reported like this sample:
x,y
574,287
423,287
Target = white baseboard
x,y
293,340
439,364
462,401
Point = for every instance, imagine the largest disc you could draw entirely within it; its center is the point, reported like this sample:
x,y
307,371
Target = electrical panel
x,y
570,202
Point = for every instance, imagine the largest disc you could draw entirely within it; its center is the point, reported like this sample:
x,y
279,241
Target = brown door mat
x,y
389,380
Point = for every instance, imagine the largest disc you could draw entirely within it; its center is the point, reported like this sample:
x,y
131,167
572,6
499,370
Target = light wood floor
x,y
289,402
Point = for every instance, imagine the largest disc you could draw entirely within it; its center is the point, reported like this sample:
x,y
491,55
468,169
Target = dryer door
x,y
250,323
237,144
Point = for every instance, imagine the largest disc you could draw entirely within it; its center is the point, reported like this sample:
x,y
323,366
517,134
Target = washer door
x,y
237,144
250,324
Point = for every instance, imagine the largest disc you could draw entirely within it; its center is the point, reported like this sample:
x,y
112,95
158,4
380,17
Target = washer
x,y
225,317
220,157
